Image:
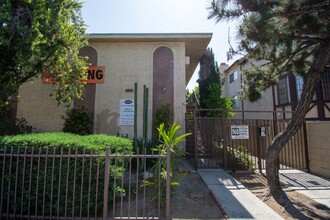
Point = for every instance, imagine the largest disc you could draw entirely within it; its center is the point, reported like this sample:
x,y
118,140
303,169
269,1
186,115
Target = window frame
x,y
299,86
326,85
282,91
233,77
235,102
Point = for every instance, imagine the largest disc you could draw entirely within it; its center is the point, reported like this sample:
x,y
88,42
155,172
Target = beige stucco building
x,y
233,82
164,63
282,99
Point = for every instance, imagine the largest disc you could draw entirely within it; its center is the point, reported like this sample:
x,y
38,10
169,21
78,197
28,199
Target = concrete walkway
x,y
237,201
312,186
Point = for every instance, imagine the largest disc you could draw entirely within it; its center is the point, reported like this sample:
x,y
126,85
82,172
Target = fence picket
x,y
47,184
252,150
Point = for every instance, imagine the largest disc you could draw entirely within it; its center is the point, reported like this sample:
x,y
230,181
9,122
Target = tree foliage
x,y
193,96
215,101
208,75
293,36
209,85
41,37
288,34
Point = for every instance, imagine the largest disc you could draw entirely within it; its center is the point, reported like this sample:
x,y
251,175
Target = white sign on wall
x,y
240,132
126,112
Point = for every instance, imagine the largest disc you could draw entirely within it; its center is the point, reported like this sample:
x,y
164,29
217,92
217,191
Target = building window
x,y
326,85
299,85
282,91
233,76
235,102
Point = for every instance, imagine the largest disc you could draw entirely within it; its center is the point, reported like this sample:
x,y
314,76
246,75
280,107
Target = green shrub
x,y
168,138
46,188
8,127
78,121
22,126
148,149
240,159
161,115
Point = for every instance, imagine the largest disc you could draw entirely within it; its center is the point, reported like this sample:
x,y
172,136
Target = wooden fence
x,y
240,144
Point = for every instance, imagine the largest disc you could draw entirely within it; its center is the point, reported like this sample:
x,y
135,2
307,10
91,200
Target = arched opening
x,y
88,97
163,79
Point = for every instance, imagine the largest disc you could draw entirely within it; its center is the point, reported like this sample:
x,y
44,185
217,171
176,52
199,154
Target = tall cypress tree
x,y
209,85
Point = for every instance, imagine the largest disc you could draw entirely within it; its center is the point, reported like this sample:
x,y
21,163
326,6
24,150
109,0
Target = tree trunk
x,y
272,156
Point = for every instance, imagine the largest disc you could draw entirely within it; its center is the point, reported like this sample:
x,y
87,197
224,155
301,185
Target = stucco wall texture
x,y
318,147
38,108
232,89
125,63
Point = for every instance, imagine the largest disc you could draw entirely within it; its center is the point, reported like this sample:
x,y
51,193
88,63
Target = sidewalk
x,y
312,186
236,201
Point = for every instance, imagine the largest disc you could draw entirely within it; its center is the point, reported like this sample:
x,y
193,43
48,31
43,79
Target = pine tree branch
x,y
307,9
290,58
309,38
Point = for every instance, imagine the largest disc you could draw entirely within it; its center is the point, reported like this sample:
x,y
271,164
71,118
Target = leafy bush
x,y
168,138
59,185
78,121
8,127
161,115
240,159
22,126
146,148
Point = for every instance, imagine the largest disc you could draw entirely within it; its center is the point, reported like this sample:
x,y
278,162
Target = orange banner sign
x,y
95,75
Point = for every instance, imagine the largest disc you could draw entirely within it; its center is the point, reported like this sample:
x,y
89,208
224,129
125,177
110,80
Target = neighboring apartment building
x,y
288,92
162,62
233,79
282,99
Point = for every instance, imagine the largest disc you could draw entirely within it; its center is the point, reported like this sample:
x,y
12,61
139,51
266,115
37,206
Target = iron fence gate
x,y
64,184
241,144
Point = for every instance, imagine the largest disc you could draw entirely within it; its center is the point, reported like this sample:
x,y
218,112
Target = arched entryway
x,y
88,97
163,79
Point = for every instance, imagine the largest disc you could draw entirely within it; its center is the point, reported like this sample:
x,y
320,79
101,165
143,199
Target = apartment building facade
x,y
164,63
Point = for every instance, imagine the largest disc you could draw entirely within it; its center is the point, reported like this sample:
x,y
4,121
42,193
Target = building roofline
x,y
145,37
238,61
149,34
196,43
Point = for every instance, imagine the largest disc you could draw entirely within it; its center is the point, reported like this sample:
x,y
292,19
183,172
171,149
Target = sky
x,y
159,16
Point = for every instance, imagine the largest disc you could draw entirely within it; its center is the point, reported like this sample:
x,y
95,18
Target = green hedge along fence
x,y
60,185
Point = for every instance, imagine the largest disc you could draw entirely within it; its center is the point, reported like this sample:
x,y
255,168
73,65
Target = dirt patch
x,y
257,184
192,198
